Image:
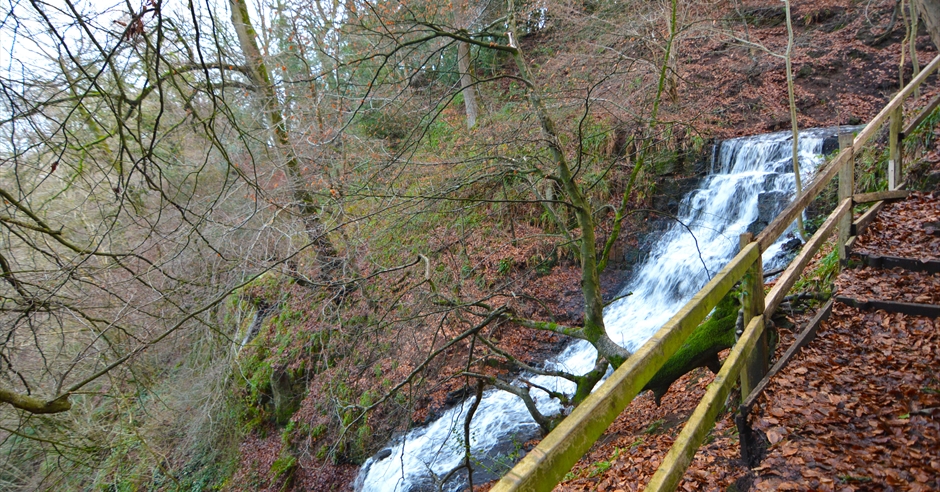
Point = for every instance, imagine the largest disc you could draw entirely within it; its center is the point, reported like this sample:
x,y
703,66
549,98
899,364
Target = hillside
x,y
248,263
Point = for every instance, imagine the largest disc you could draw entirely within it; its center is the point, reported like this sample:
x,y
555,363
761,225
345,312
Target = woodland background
x,y
241,245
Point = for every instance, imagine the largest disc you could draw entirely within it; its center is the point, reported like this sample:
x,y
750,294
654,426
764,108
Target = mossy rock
x,y
288,388
701,348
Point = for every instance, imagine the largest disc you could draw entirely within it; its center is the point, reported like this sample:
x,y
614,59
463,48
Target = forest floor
x,y
856,409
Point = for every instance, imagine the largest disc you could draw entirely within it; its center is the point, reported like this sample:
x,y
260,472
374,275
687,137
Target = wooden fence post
x,y
894,146
752,303
846,189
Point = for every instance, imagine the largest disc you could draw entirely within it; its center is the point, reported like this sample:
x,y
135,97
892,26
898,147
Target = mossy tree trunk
x,y
593,329
35,405
701,349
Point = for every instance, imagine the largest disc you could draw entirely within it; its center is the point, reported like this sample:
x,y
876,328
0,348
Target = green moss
x,y
655,427
701,348
283,464
821,278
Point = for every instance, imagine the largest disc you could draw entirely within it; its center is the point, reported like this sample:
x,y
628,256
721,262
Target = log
x,y
700,349
889,262
879,196
909,308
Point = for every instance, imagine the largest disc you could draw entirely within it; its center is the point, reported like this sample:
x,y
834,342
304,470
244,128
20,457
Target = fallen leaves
x,y
854,410
776,434
899,230
896,284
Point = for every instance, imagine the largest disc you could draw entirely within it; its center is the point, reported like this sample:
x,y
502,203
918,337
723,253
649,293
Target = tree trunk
x,y
930,12
793,119
701,348
466,83
327,256
593,330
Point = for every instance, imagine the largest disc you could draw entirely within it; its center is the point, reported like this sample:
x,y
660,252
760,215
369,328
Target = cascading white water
x,y
702,239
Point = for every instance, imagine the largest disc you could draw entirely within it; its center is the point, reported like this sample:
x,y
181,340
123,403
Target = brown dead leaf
x,y
776,435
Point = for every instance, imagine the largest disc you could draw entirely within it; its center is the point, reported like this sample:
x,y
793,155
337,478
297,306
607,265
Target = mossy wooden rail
x,y
543,467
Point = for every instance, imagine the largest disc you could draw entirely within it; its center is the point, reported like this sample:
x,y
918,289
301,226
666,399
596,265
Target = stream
x,y
750,183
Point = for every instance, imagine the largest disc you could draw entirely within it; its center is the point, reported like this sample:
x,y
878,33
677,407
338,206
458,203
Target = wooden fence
x,y
543,467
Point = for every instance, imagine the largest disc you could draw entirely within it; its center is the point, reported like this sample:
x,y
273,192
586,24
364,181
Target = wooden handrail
x,y
783,221
673,467
793,271
924,113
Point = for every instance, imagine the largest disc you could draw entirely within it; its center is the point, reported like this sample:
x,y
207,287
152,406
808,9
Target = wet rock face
x,y
830,145
769,204
424,484
793,244
494,464
670,191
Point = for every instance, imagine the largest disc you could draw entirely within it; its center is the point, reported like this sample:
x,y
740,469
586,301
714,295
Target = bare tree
x,y
794,122
558,173
134,201
787,57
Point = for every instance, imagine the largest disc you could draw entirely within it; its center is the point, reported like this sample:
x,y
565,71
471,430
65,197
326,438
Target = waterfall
x,y
751,182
